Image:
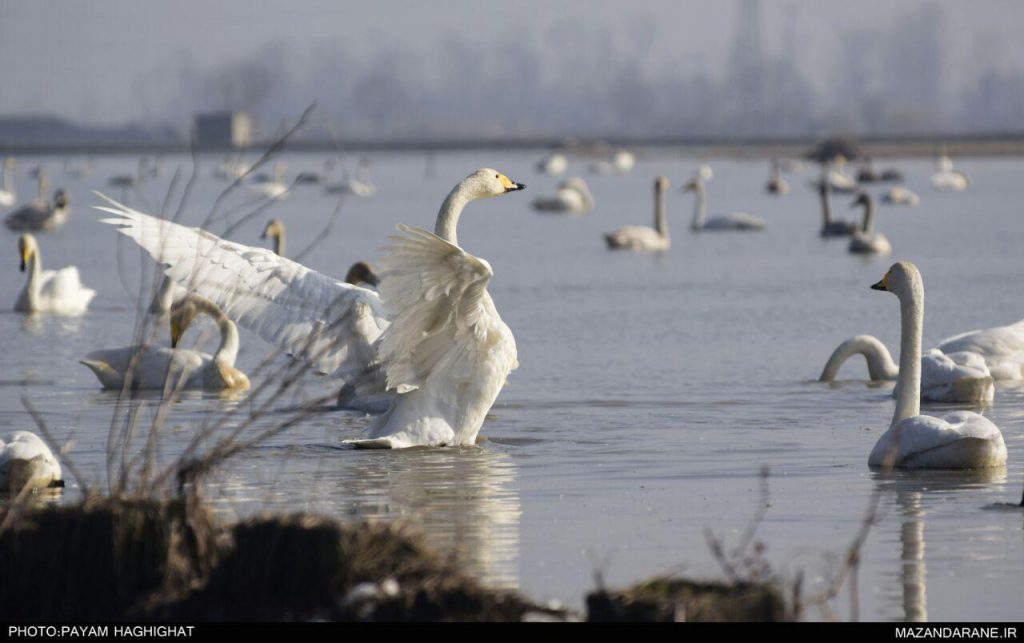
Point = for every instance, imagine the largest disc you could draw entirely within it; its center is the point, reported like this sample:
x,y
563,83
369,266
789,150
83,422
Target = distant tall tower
x,y
746,78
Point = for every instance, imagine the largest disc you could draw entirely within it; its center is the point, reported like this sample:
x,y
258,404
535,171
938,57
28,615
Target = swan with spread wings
x,y
433,333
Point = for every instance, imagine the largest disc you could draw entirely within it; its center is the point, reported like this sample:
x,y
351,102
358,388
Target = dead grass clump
x,y
303,567
677,599
101,560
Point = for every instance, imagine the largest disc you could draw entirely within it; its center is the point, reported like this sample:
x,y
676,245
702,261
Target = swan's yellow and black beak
x,y
883,284
23,265
510,185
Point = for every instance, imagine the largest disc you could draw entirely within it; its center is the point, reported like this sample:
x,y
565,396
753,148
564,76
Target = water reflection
x,y
465,500
910,489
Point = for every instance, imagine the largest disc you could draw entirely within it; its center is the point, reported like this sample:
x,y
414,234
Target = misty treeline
x,y
580,80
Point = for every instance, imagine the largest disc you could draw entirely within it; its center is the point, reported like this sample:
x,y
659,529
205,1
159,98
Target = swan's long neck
x,y
44,186
7,182
880,363
35,267
278,238
869,216
448,216
826,206
660,218
908,391
227,352
699,206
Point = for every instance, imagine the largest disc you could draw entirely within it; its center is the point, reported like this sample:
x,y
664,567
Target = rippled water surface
x,y
651,391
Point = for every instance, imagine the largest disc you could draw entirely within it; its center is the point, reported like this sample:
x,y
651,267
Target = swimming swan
x,y
777,184
40,214
899,195
960,440
1002,347
865,241
641,237
359,273
830,227
49,291
271,187
25,460
149,366
733,221
8,197
553,164
573,196
360,186
946,178
957,377
434,331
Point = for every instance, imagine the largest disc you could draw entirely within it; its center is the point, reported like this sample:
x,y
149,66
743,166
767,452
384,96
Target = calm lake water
x,y
652,389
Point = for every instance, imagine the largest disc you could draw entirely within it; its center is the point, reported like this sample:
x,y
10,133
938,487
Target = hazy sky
x,y
88,60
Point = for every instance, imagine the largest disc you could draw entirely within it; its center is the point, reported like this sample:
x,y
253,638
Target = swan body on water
x,y
958,377
41,215
621,162
946,178
959,440
899,195
433,333
865,241
150,366
8,196
25,460
271,187
777,184
361,185
733,221
573,196
59,292
643,238
553,164
1002,348
829,226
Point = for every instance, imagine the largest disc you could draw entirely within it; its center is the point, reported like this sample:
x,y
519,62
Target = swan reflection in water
x,y
913,491
464,500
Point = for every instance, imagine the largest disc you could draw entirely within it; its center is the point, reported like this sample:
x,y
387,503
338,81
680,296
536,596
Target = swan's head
x,y
863,198
60,198
27,249
183,312
662,183
902,280
486,182
274,230
361,273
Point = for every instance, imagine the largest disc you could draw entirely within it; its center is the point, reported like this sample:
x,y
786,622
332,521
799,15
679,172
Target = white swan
x,y
446,354
865,241
1002,348
777,184
960,440
553,164
573,196
149,366
956,377
621,162
40,214
732,221
167,293
360,186
830,227
899,195
25,460
272,187
642,237
358,274
946,178
49,291
8,196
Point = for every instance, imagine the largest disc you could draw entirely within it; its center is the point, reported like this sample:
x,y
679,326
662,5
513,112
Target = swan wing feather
x,y
329,323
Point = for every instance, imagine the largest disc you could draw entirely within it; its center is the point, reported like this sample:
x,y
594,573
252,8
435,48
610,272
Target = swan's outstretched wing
x,y
444,317
331,324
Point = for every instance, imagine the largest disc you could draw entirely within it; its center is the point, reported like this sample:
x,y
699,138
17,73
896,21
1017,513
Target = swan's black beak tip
x,y
516,187
879,286
22,266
